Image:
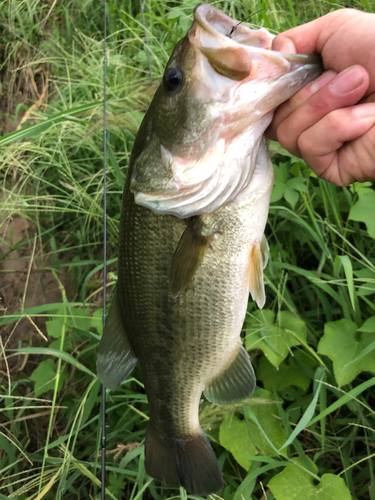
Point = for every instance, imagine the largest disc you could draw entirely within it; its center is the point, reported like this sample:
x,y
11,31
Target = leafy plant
x,y
308,431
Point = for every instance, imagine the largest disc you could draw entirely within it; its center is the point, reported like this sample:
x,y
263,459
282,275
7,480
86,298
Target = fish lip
x,y
314,58
211,36
249,76
205,15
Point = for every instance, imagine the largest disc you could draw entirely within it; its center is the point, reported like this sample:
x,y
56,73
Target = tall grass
x,y
310,424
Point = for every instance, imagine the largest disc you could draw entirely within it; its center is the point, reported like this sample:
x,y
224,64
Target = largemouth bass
x,y
191,244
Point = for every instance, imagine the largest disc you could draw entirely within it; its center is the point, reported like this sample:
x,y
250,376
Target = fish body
x,y
191,242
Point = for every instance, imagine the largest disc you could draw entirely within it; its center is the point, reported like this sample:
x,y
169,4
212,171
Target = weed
x,y
309,429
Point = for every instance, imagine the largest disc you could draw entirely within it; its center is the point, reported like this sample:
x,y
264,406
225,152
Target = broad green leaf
x,y
79,318
295,483
267,414
309,412
364,210
74,317
97,320
298,183
244,439
287,374
281,173
44,377
234,436
277,192
55,325
348,349
291,195
368,326
366,282
274,338
56,344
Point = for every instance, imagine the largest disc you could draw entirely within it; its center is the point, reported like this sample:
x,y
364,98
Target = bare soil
x,y
25,282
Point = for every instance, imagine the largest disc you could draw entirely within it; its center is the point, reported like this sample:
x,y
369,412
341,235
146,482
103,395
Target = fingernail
x,y
346,81
321,81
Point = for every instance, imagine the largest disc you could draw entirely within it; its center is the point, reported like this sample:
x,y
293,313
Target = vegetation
x,y
308,431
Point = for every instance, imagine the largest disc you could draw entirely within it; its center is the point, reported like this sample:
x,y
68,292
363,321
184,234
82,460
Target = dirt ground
x,y
25,283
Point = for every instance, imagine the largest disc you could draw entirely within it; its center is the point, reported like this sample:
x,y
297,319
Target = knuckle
x,y
304,143
335,122
285,138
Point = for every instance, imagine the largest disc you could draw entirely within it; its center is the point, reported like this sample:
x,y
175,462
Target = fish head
x,y
203,129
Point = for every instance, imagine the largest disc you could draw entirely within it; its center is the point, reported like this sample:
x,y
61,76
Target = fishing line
x,y
229,35
103,440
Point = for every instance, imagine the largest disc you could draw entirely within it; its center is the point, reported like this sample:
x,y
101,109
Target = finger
x,y
288,107
282,43
369,98
343,38
344,90
311,37
321,145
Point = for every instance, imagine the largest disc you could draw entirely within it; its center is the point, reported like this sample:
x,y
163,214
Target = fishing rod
x,y
103,436
103,402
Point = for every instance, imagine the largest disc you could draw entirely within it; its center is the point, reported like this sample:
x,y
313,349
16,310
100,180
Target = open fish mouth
x,y
238,81
245,55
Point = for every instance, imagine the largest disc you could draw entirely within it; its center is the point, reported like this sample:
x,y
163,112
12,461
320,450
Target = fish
x,y
191,239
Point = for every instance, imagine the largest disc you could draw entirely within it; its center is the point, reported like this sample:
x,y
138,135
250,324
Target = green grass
x,y
311,421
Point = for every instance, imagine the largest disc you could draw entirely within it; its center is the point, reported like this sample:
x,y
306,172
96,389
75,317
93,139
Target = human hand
x,y
323,123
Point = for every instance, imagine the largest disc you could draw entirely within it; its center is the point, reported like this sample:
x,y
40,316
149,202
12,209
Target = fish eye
x,y
172,79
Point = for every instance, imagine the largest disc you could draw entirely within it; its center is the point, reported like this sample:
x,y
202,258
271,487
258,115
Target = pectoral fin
x,y
258,254
116,358
188,255
235,383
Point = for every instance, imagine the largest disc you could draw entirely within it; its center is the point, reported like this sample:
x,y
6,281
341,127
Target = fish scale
x,y
191,243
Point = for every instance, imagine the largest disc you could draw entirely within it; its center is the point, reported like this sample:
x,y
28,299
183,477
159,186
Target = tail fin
x,y
189,462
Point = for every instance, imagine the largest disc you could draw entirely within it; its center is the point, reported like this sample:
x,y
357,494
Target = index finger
x,y
310,37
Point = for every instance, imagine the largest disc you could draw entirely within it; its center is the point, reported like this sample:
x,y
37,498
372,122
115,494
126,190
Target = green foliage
x,y
293,371
274,337
308,432
351,350
245,439
44,377
294,482
363,210
235,437
287,188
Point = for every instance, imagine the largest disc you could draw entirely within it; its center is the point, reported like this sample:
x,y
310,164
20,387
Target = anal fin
x,y
235,383
116,359
188,255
